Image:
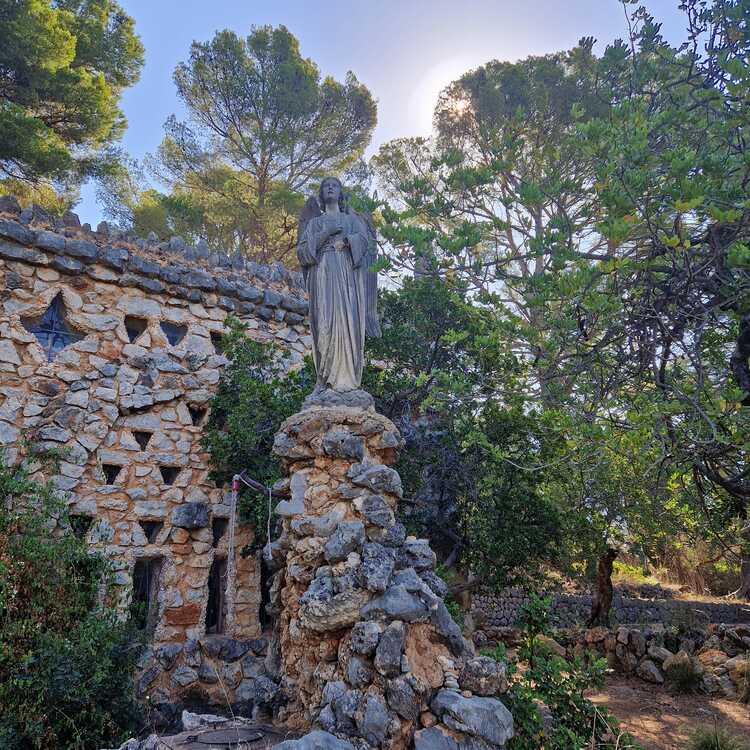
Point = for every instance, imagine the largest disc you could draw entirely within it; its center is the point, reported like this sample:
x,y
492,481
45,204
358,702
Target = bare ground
x,y
659,720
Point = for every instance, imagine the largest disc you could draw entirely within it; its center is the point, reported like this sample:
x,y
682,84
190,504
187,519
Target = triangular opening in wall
x,y
142,438
111,472
197,414
218,529
80,524
151,529
52,329
169,474
134,327
174,332
216,341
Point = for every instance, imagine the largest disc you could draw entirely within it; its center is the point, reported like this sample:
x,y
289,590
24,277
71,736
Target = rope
x,y
239,478
232,525
268,526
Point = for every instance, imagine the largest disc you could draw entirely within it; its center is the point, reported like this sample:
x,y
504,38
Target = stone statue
x,y
336,247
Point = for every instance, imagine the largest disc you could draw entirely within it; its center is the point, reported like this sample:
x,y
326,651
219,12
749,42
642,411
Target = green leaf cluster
x,y
66,662
63,67
264,126
255,395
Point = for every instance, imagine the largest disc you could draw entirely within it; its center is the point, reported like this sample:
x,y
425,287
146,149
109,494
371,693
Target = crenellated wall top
x,y
171,267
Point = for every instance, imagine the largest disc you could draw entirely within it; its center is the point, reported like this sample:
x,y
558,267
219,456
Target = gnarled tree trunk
x,y
604,590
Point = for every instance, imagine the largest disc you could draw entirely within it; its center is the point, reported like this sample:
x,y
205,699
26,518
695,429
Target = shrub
x,y
255,395
66,663
534,620
556,686
715,738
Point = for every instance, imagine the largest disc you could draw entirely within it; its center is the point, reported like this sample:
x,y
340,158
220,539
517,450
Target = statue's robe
x,y
336,286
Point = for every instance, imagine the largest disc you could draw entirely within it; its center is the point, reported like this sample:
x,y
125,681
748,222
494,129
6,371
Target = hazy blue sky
x,y
406,51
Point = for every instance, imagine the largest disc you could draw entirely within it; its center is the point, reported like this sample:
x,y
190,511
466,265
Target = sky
x,y
405,51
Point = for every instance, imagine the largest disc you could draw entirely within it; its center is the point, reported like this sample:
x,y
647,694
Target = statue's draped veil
x,y
342,291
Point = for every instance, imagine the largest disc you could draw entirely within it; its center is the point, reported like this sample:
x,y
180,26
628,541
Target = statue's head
x,y
331,189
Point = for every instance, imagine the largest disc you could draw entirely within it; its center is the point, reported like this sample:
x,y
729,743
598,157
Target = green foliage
x,y
440,372
597,205
534,620
66,663
558,685
64,66
716,738
264,126
255,395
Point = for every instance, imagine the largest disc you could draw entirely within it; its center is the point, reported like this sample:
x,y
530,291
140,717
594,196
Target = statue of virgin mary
x,y
336,247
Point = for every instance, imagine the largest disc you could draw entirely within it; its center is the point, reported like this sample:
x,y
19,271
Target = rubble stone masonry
x,y
109,351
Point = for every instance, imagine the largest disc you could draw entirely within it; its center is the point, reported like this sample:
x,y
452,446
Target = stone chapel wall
x,y
109,351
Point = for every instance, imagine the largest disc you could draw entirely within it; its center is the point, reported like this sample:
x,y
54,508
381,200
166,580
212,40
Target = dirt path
x,y
661,721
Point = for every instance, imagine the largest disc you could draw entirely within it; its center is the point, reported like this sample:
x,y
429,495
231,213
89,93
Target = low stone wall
x,y
718,657
492,610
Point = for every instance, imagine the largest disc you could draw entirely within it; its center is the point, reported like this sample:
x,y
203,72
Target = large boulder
x,y
404,698
396,604
348,537
373,720
316,741
434,739
485,718
365,637
377,565
390,648
648,671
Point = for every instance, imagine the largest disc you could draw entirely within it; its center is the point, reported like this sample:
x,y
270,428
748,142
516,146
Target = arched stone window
x,y
51,329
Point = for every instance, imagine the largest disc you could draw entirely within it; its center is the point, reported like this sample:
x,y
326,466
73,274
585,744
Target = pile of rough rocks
x,y
718,656
368,653
212,671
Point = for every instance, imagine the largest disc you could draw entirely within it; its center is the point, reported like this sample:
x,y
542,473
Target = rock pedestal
x,y
368,651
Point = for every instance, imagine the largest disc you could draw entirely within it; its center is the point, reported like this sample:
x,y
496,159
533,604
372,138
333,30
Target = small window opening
x,y
142,438
111,472
51,329
174,332
151,529
216,606
169,474
219,528
134,327
80,524
144,608
197,414
216,341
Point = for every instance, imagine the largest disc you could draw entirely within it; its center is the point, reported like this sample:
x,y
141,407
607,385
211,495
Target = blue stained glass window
x,y
52,330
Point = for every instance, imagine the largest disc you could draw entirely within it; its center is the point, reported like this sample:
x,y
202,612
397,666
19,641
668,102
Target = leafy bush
x,y
468,438
715,738
66,663
534,620
547,697
255,395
